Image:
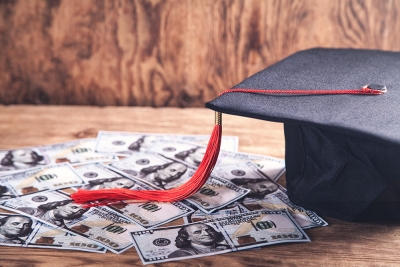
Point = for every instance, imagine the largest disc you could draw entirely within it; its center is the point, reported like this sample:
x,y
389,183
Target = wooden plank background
x,y
178,53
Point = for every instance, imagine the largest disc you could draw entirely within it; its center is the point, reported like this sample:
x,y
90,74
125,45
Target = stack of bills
x,y
241,206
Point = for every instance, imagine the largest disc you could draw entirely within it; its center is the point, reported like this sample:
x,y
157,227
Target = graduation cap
x,y
342,132
342,150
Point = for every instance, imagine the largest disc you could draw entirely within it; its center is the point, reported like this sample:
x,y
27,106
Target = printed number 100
x,y
284,236
83,245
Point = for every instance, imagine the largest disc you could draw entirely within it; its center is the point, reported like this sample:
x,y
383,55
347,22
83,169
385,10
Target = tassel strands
x,y
111,196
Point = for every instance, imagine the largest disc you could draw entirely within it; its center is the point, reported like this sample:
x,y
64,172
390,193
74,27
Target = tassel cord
x,y
362,91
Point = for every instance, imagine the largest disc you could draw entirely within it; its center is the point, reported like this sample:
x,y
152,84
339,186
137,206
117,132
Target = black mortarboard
x,y
342,151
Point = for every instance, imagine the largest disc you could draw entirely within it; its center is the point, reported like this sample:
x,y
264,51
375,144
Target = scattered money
x,y
240,206
221,235
126,143
100,225
39,179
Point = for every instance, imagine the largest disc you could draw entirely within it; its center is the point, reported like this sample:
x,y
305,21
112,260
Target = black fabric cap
x,y
342,151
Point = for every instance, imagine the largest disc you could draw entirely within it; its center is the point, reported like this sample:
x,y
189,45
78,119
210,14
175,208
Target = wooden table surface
x,y
339,244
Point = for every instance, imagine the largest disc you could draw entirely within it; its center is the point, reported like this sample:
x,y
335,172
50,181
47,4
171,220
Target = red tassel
x,y
110,196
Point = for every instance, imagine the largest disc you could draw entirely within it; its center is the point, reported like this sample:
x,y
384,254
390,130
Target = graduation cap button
x,y
377,87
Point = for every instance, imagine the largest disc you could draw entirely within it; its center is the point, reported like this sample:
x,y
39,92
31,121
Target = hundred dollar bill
x,y
155,170
266,194
146,214
46,236
23,231
198,215
231,209
242,208
151,214
100,176
15,229
57,209
262,228
216,193
187,152
75,152
247,175
38,179
279,200
126,143
271,167
190,204
220,235
23,158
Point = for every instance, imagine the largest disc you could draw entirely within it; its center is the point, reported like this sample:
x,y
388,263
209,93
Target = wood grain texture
x,y
23,125
340,244
176,53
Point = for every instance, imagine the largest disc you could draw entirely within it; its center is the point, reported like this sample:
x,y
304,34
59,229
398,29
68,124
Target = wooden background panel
x,y
178,53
